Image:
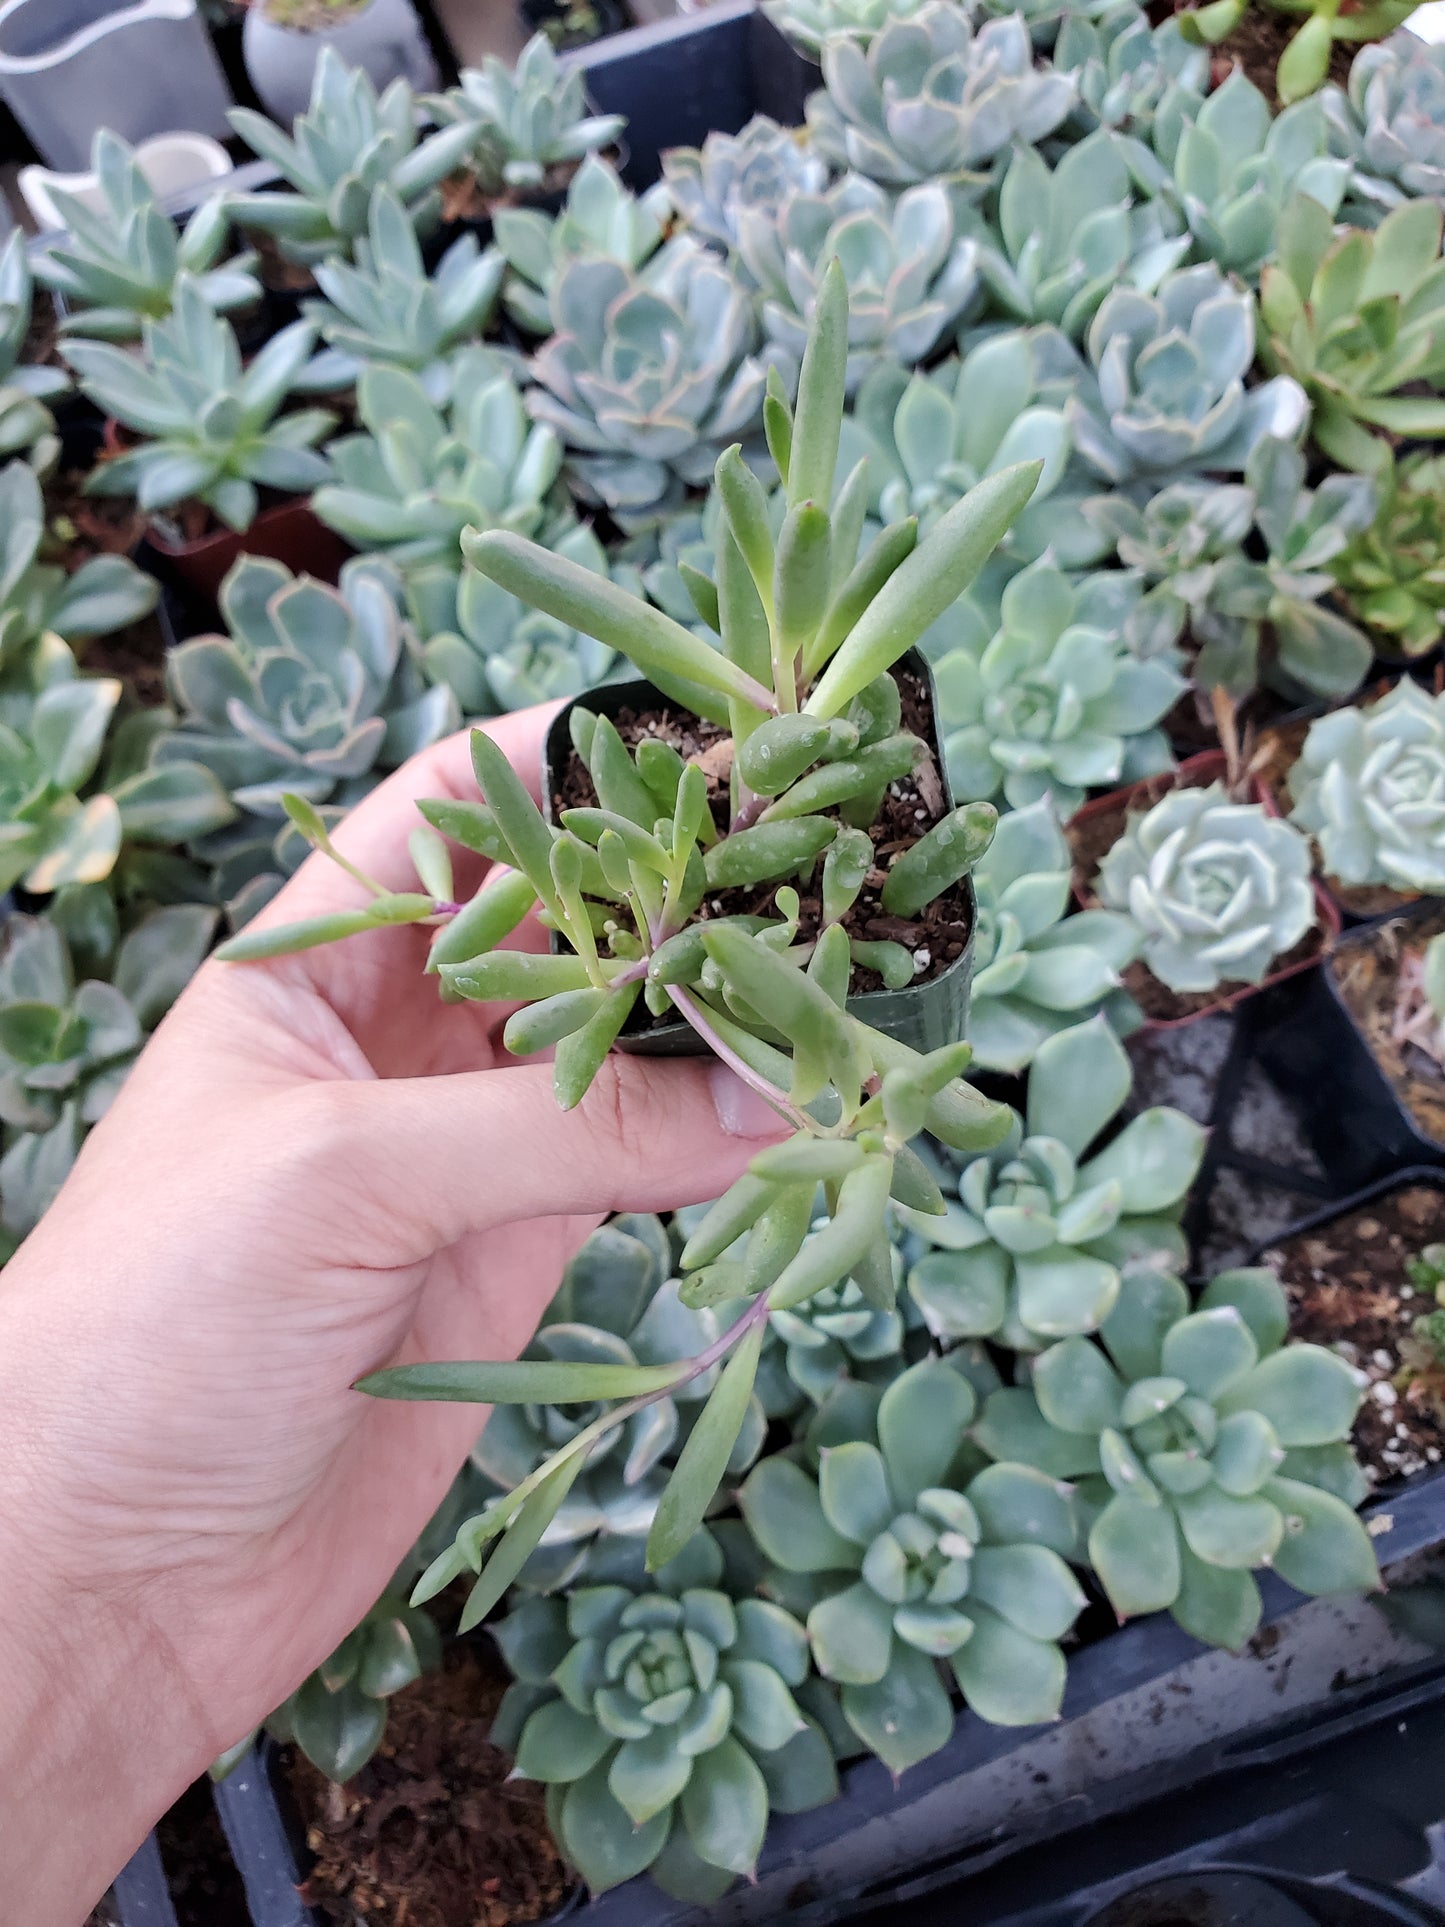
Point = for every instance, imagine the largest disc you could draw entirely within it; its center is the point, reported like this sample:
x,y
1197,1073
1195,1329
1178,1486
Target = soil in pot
x,y
1256,45
1094,833
938,935
1348,1289
1274,756
431,1833
1379,979
277,273
205,1887
137,654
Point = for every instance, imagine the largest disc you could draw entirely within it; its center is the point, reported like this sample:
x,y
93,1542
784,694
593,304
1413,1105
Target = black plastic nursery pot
x,y
1312,1046
925,1015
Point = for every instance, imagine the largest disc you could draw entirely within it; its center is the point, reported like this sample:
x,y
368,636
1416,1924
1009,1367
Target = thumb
x,y
438,1157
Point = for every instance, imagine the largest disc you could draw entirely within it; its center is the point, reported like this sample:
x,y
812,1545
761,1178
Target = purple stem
x,y
697,1017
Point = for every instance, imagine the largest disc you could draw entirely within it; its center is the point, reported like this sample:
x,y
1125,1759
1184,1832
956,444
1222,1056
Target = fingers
x,y
428,1160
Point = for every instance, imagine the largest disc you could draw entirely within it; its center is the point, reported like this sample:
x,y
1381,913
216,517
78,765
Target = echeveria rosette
x,y
1164,395
1218,889
525,118
911,273
755,168
495,652
648,377
930,435
1227,165
1369,786
1037,969
600,218
1123,66
902,1561
1042,1234
664,1723
1205,1448
1066,235
337,1715
1358,319
1055,704
1392,575
617,1305
934,99
812,23
27,427
1391,122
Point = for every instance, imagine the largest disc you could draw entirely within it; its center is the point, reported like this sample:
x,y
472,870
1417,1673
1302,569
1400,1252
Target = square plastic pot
x,y
1309,1043
926,1016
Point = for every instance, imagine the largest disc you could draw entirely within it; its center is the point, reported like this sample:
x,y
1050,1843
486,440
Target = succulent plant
x,y
1391,122
1228,166
385,308
337,1716
757,168
27,426
408,486
1205,1448
901,1560
1045,19
40,599
617,1305
312,690
1043,1235
802,684
1123,67
210,429
1054,703
929,436
349,142
811,23
1067,235
1256,613
910,272
116,265
523,120
66,1045
1359,320
933,99
1392,575
837,1335
1219,889
494,651
1037,969
600,219
647,377
1369,786
1305,62
664,1723
1164,393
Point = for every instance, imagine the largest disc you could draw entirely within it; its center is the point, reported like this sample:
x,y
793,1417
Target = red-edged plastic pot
x,y
1196,773
926,1016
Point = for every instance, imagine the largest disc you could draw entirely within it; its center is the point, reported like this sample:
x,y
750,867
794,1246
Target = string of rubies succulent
x,y
803,685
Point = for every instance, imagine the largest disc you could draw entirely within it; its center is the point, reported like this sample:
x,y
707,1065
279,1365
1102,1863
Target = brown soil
x,y
286,277
201,1875
1367,974
1275,755
910,808
431,1832
465,199
137,654
1348,1289
81,526
41,348
1257,43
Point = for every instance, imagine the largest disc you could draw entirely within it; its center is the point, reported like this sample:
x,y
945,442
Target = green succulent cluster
x,y
812,23
1358,319
1042,1234
711,185
1204,1448
1053,703
934,99
207,427
1219,889
27,427
523,121
311,690
663,1721
1305,62
68,1037
349,142
1369,786
1392,575
337,1716
600,219
900,1559
1391,123
1124,67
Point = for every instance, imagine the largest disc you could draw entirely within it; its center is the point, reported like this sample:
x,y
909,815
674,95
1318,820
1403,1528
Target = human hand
x,y
315,1169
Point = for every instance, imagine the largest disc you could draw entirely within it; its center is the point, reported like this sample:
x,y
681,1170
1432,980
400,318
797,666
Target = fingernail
x,y
740,1111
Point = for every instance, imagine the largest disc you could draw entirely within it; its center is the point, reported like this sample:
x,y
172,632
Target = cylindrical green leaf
x,y
252,946
579,1057
493,913
640,844
745,504
831,965
735,1212
512,974
541,1025
779,750
818,1160
892,962
519,1381
778,424
801,576
778,1235
471,824
853,1229
432,861
520,821
937,861
845,871
870,769
822,385
767,850
703,1460
888,551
